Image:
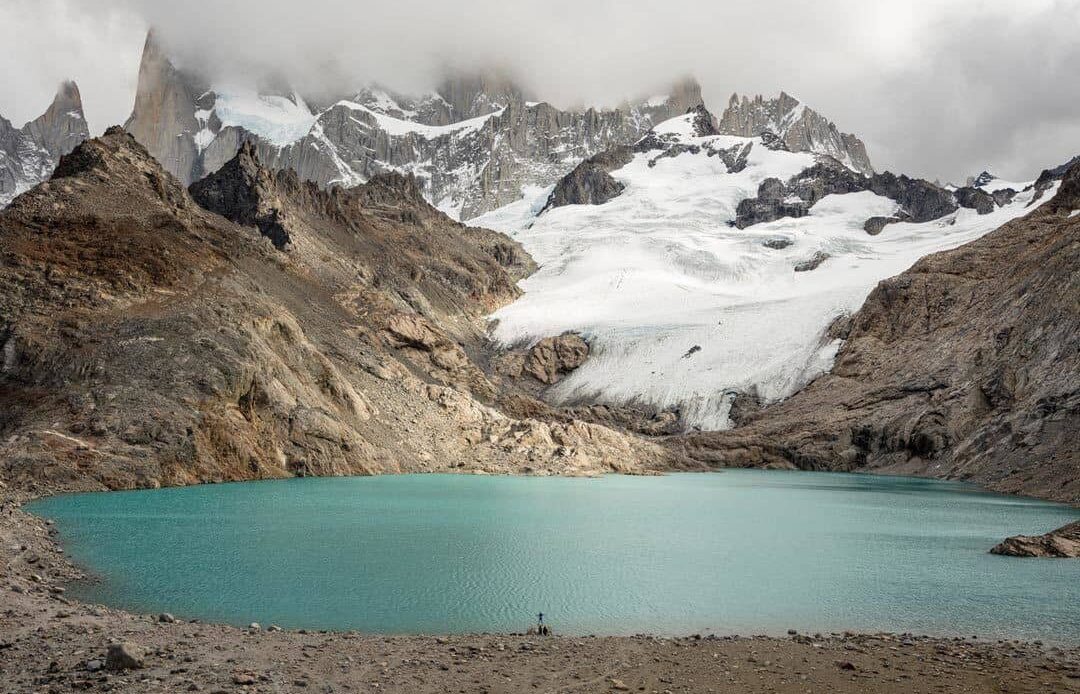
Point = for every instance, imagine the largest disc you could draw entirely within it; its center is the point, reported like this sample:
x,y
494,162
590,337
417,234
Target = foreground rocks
x,y
1061,543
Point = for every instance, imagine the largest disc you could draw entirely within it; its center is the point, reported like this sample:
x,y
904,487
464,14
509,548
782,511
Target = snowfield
x,y
277,119
682,310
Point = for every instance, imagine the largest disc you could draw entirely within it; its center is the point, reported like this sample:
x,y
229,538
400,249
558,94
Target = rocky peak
x,y
28,155
685,94
802,129
63,125
244,192
478,94
704,121
117,162
163,117
1067,198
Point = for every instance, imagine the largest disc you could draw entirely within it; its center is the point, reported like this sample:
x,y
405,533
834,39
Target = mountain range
x,y
246,282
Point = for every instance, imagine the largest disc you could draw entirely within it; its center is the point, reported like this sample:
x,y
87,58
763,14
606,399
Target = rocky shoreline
x,y
51,643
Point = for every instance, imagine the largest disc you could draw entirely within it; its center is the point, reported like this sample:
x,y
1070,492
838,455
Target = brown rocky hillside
x,y
145,340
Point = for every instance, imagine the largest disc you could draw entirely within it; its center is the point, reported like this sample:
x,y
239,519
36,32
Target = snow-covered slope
x,y
681,309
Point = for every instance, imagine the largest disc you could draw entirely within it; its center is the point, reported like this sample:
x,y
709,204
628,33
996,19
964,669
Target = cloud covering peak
x,y
936,89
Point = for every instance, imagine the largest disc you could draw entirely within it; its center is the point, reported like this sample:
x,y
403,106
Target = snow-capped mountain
x,y
474,144
29,154
716,264
800,128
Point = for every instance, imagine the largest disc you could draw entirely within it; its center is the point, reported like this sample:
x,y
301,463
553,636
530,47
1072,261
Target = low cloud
x,y
936,89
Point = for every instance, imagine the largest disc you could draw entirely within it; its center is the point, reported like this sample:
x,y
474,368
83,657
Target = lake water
x,y
733,552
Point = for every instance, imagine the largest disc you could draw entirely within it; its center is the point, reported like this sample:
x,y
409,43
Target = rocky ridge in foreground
x,y
147,341
966,366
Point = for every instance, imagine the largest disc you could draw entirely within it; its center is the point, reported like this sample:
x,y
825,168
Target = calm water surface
x,y
733,552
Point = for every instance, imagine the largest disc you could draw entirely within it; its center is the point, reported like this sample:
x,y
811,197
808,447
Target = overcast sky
x,y
940,89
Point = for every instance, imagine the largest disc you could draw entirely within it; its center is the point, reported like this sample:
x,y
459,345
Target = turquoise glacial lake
x,y
745,552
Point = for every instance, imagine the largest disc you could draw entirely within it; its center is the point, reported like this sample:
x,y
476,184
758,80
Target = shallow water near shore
x,y
741,551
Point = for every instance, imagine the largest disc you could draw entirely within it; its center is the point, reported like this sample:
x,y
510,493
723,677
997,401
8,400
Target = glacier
x,y
681,309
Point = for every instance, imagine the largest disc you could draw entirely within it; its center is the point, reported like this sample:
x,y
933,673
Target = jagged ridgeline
x,y
476,143
473,143
284,330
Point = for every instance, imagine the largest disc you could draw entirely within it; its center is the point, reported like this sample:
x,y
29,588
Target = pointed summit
x,y
800,128
63,125
478,94
163,118
29,154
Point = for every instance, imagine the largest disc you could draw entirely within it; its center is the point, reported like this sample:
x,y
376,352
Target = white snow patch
x,y
1074,213
277,119
656,271
398,127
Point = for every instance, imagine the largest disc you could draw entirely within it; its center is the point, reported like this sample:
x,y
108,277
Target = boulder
x,y
1061,543
553,357
812,262
125,656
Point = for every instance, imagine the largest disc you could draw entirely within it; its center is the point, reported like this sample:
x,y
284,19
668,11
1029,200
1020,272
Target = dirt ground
x,y
49,643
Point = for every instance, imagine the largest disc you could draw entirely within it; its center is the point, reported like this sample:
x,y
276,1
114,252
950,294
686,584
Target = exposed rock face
x,y
771,203
590,183
975,198
547,361
812,263
146,341
801,129
704,121
242,191
28,155
163,118
63,126
919,200
553,357
965,366
472,145
1063,543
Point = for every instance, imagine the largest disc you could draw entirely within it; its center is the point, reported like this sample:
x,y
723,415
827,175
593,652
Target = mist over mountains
x,y
1009,110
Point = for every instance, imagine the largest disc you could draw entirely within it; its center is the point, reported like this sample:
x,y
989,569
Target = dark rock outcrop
x,y
704,121
242,192
772,202
590,182
875,225
975,198
919,200
1063,543
965,366
812,263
